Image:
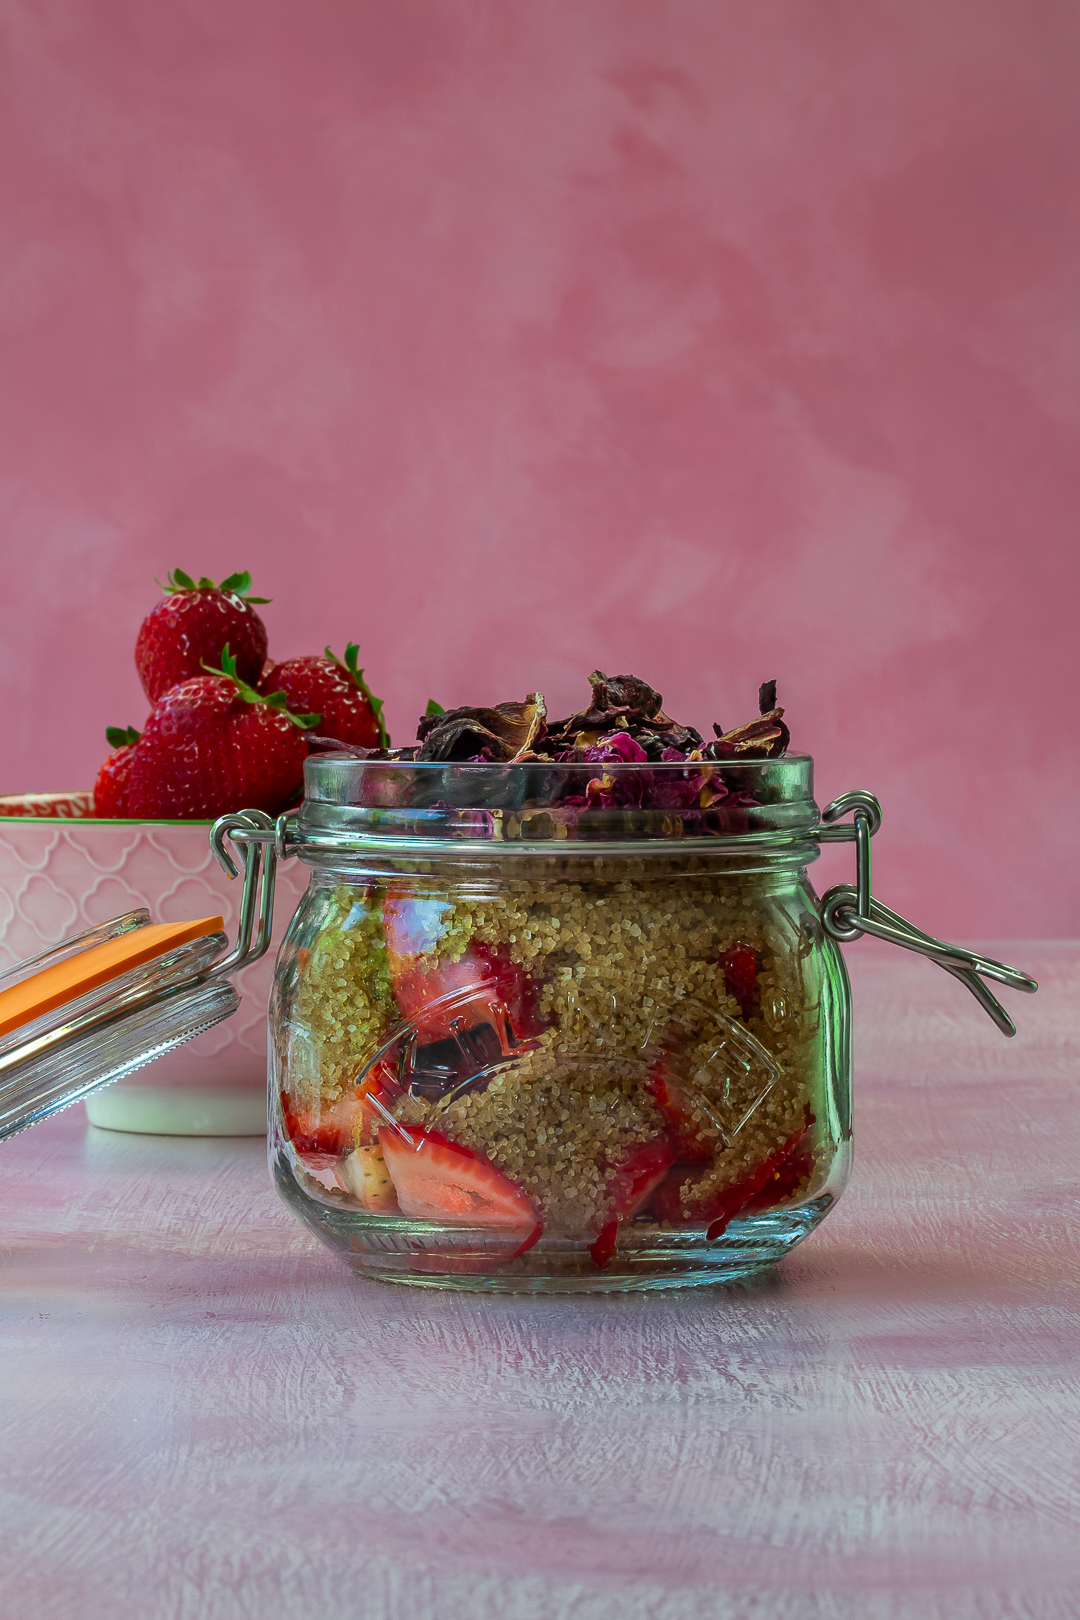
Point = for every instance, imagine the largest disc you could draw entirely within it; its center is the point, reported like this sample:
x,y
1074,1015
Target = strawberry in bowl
x,y
190,626
111,786
336,690
218,740
214,743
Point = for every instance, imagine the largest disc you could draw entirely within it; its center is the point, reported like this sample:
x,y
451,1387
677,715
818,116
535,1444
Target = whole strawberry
x,y
213,745
337,690
111,787
187,630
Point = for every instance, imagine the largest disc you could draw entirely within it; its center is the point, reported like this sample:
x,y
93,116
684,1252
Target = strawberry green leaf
x,y
238,583
352,654
376,708
276,700
121,736
433,707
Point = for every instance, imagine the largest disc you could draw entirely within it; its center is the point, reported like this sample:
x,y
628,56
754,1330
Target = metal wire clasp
x,y
849,911
258,839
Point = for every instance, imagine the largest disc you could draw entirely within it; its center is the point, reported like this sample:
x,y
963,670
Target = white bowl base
x,y
179,1110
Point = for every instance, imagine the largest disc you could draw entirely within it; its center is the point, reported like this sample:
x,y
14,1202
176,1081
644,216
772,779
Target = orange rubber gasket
x,y
66,981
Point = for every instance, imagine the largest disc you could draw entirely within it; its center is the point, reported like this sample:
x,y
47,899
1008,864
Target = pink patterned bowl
x,y
61,871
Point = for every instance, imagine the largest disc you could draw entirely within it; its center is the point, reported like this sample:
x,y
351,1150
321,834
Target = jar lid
x,y
353,802
72,975
102,1004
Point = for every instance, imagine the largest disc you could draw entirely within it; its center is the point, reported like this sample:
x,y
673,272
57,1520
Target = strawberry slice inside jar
x,y
686,1116
776,1177
635,1177
438,1180
740,969
348,1123
440,996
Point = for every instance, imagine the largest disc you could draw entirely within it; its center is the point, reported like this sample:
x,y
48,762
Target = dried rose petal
x,y
619,747
712,790
671,790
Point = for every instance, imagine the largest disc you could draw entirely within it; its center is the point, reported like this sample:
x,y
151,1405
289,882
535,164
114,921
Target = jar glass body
x,y
554,1069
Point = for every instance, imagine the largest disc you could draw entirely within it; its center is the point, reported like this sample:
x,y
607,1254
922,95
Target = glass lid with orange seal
x,y
104,1003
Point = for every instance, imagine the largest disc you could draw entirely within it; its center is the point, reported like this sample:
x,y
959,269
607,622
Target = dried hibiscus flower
x,y
767,737
621,703
502,734
623,724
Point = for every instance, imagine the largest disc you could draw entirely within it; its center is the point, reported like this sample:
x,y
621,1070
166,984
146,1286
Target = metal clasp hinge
x,y
849,911
262,842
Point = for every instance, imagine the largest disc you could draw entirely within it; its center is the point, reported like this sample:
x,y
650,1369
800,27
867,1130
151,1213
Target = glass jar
x,y
535,1029
532,1028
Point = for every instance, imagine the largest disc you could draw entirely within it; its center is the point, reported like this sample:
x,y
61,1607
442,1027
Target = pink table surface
x,y
203,1413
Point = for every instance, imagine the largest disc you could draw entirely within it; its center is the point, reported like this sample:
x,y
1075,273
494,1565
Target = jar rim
x,y
432,805
360,757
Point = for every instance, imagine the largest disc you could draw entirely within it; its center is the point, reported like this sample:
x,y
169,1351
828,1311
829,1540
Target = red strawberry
x,y
689,1137
636,1176
336,690
350,1122
111,787
740,974
187,631
437,1180
771,1180
482,987
213,745
785,1173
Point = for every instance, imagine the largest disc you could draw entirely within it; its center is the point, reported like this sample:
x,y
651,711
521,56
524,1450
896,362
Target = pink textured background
x,y
710,340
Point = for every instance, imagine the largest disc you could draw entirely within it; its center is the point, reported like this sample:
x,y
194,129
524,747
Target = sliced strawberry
x,y
773,1179
604,1247
437,1180
784,1179
350,1122
740,974
691,1142
324,1168
364,1174
438,996
635,1177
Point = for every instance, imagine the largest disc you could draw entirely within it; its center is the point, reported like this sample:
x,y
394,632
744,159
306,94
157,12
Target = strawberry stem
x,y
275,700
352,655
236,585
